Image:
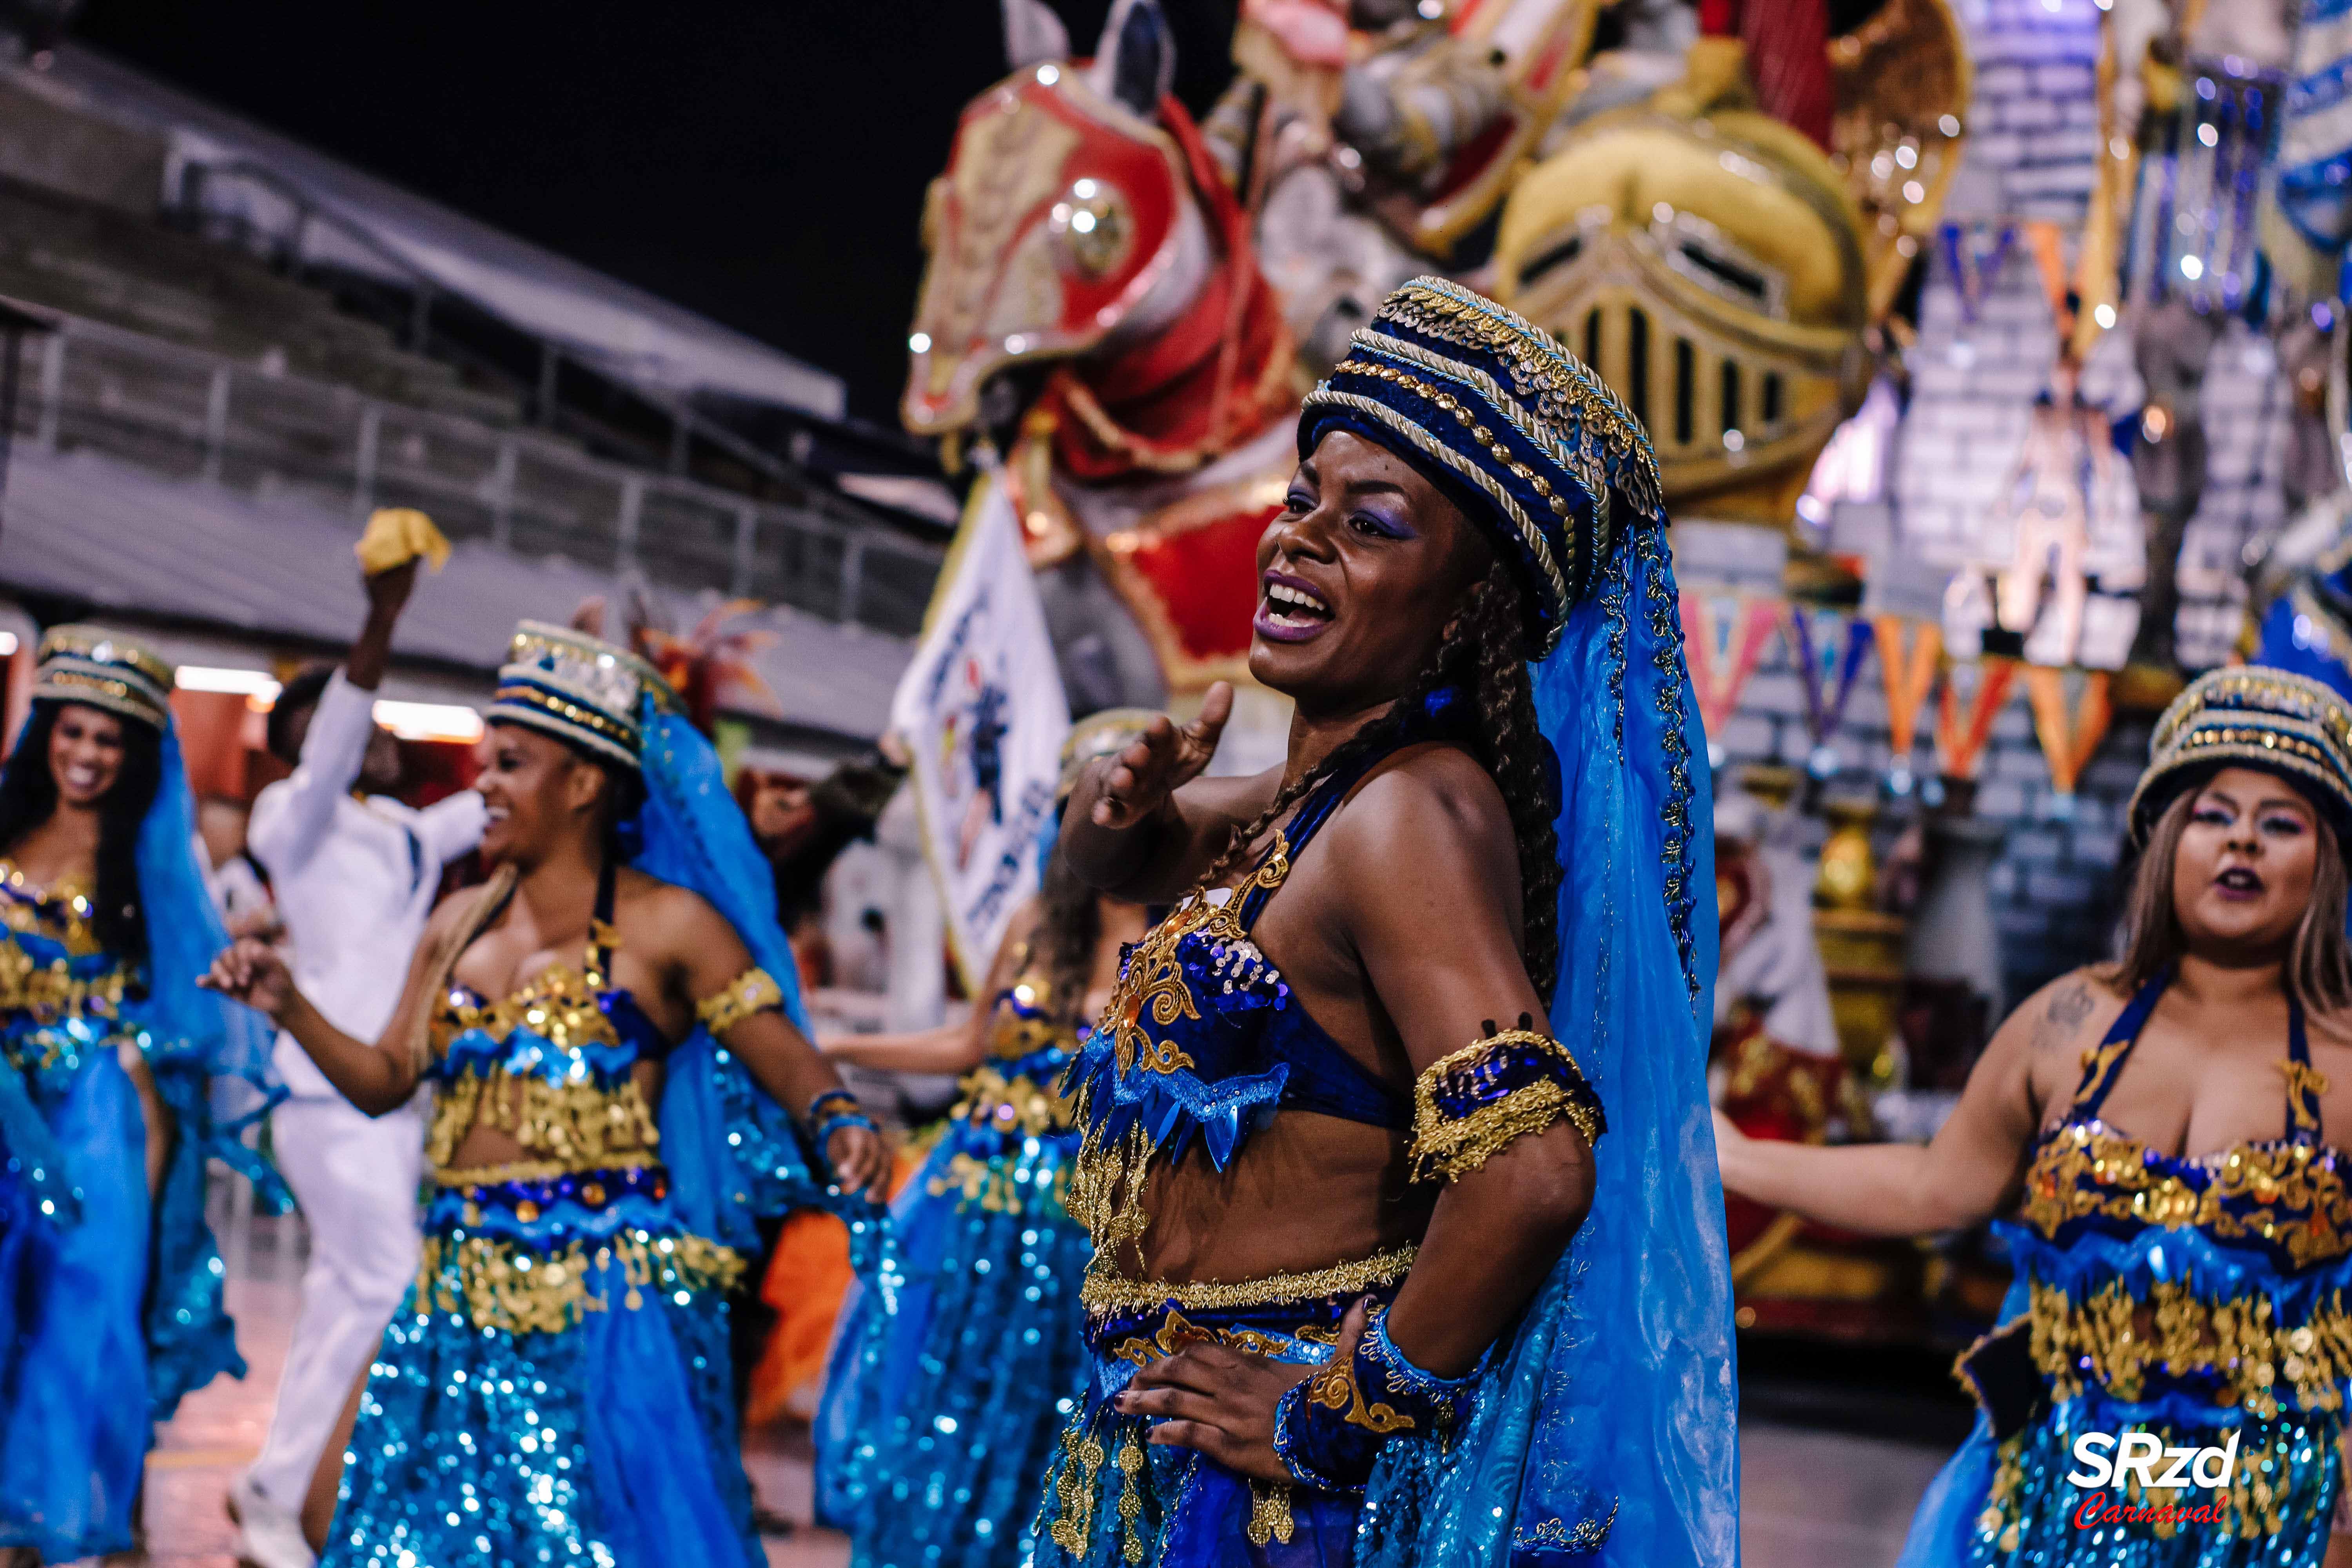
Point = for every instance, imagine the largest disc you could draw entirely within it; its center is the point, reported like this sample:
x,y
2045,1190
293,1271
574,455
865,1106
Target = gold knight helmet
x,y
1706,261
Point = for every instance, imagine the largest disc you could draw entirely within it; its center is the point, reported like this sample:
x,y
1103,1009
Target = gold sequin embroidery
x,y
2287,1194
990,1186
575,1123
1103,1291
1014,1104
1109,1178
49,991
557,1005
1176,1332
2114,1339
1074,1492
1336,1388
1447,1148
504,1285
61,911
1270,1517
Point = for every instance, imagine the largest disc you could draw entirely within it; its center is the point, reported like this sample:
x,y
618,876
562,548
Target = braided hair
x,y
1483,658
1070,930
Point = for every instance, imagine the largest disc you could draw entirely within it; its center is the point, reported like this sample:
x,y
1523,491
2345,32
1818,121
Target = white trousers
x,y
356,1177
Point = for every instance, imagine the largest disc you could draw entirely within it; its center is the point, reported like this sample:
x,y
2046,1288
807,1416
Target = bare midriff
x,y
1304,1193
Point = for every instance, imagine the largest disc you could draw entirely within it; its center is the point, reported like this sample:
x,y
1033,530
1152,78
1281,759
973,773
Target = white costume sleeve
x,y
292,816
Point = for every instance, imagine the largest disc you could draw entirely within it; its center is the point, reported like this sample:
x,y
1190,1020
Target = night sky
x,y
762,163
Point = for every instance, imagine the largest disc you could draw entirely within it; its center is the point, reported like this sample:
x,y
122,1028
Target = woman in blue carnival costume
x,y
612,1029
1371,1283
951,1378
110,1285
2184,1235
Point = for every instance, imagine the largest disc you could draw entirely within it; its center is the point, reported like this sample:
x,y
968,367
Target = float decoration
x,y
1974,265
1830,649
1909,673
1723,638
2067,742
1964,718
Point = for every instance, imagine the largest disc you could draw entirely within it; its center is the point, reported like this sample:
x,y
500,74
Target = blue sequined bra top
x,y
521,1246
1203,1040
57,982
2210,1281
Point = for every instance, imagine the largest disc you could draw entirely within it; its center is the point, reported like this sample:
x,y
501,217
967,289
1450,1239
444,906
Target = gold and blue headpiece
x,y
2252,716
1522,436
104,668
580,690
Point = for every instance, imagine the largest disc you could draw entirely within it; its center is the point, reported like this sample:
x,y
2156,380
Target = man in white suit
x,y
355,872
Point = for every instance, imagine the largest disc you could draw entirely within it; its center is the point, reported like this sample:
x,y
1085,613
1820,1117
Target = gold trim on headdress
x,y
2258,717
102,668
580,690
1525,423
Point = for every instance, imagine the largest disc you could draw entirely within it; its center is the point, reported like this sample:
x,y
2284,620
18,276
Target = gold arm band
x,y
1472,1105
753,991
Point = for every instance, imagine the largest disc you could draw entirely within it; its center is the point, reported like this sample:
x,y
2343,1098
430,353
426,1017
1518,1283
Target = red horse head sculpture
x,y
1080,220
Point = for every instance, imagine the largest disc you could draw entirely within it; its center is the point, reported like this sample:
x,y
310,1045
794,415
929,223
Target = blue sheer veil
x,y
734,1154
183,934
1604,1429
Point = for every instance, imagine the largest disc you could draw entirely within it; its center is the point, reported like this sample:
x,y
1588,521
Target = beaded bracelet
x,y
1329,1429
815,1111
833,1124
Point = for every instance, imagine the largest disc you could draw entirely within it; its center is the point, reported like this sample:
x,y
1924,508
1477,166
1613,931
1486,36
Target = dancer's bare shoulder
x,y
669,922
2044,1040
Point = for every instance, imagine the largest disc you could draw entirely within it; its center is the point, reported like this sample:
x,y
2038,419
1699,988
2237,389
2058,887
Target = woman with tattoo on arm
x,y
2154,1130
1393,1152
613,1034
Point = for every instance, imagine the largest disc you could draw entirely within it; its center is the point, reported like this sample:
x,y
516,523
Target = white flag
x,y
982,711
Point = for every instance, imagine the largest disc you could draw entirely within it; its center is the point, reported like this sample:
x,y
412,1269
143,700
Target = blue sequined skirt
x,y
110,1311
1115,1498
953,1375
554,1390
2010,1505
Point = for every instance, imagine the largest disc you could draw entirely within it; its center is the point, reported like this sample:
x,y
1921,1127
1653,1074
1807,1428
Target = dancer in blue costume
x,y
110,1284
611,1027
2184,1236
1372,1285
951,1381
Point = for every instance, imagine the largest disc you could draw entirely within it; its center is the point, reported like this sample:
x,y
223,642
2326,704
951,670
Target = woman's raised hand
x,y
1168,757
252,971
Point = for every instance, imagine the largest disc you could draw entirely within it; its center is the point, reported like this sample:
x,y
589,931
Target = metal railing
x,y
293,231
190,414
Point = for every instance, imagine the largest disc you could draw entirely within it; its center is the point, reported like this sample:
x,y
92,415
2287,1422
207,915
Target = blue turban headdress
x,y
1603,1428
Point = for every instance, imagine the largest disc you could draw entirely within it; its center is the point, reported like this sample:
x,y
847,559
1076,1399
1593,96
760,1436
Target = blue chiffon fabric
x,y
497,1428
952,1376
1602,1427
111,1301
